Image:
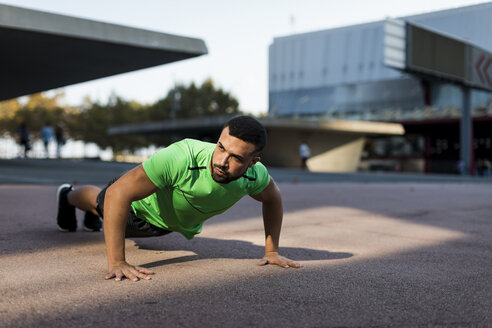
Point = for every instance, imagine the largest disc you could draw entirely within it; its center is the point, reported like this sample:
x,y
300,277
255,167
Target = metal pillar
x,y
466,134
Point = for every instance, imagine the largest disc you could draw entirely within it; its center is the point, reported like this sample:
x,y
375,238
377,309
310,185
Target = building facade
x,y
339,74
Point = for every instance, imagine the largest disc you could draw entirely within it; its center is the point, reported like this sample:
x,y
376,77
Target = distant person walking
x,y
304,153
483,167
47,134
24,138
488,168
461,167
60,140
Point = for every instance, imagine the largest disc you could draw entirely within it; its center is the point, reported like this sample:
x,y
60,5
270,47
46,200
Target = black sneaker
x,y
92,222
66,219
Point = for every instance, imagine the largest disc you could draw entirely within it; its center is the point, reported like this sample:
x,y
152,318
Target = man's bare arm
x,y
272,220
132,186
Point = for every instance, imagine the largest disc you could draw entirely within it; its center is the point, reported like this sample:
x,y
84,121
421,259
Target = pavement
x,y
379,250
51,171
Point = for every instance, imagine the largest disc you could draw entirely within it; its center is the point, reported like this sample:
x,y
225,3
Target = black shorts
x,y
135,227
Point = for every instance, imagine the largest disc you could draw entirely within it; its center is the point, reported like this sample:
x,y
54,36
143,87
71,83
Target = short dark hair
x,y
249,130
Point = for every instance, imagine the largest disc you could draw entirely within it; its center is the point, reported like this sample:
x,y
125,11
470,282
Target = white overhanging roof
x,y
42,51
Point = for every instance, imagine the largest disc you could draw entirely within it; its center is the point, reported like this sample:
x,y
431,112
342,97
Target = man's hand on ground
x,y
133,273
274,258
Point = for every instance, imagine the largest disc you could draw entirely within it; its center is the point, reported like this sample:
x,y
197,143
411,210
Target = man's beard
x,y
226,178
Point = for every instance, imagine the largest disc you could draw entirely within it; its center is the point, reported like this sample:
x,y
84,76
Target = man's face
x,y
231,158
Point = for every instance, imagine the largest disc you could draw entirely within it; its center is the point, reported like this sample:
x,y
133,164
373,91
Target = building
x,y
339,74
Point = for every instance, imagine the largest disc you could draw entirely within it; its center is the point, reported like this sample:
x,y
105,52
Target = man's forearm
x,y
272,220
114,228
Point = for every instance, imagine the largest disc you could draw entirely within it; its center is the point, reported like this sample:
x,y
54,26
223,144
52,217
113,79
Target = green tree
x,y
190,101
38,110
91,120
8,110
92,123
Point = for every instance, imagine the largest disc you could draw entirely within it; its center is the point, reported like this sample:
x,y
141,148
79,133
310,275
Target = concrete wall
x,y
330,152
343,158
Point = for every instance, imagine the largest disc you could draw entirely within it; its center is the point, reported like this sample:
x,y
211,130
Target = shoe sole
x,y
90,230
64,230
60,188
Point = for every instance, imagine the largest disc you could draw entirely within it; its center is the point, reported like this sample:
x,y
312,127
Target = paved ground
x,y
52,172
381,251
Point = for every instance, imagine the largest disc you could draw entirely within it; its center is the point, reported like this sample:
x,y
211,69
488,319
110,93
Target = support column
x,y
427,153
466,134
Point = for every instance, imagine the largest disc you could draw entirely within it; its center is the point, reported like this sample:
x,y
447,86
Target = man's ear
x,y
255,160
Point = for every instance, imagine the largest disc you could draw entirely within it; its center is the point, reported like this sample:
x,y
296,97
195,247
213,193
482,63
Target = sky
x,y
237,34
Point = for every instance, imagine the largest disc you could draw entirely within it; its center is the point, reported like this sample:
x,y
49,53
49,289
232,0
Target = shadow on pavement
x,y
211,248
410,289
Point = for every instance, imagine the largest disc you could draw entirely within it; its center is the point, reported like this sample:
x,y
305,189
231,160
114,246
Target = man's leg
x,y
91,200
46,149
83,198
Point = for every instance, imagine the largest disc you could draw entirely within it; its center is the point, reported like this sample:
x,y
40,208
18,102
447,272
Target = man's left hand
x,y
274,258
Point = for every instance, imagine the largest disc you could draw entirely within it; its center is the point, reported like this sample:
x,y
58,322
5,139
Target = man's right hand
x,y
134,185
133,273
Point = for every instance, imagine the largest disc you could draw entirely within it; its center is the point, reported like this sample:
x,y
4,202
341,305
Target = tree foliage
x,y
90,121
192,101
38,110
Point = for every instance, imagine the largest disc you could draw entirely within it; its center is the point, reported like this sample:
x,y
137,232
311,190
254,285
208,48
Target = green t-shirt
x,y
187,194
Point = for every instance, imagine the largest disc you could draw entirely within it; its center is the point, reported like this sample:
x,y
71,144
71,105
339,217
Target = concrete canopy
x,y
43,51
336,146
212,124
